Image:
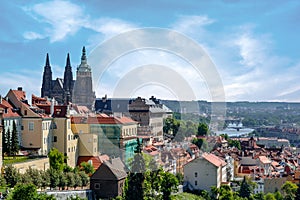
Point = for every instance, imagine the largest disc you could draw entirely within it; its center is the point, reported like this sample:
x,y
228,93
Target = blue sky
x,y
253,44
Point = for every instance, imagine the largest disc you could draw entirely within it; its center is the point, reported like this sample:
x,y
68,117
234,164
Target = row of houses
x,y
78,132
269,163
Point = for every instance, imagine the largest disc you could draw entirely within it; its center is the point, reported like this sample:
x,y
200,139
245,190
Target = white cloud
x,y
187,24
30,35
66,18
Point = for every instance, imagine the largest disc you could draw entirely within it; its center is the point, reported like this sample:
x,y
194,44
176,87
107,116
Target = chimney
x,y
0,99
20,88
52,106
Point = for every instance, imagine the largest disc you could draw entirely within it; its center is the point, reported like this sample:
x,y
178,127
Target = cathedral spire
x,y
47,79
47,61
84,67
68,81
68,64
83,56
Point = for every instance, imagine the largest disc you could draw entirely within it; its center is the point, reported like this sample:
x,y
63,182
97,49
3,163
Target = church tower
x,y
83,93
68,82
47,79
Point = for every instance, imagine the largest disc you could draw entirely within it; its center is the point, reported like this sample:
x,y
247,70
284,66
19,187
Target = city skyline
x,y
253,45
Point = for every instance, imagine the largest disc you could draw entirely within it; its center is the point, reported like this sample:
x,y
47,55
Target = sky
x,y
253,45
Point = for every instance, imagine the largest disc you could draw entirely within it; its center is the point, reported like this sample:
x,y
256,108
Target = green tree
x,y
84,179
259,196
278,195
56,159
202,129
27,192
201,143
35,176
77,180
14,140
54,178
87,168
171,125
45,176
70,179
169,184
289,190
270,196
11,175
63,181
7,142
135,186
226,193
23,192
245,190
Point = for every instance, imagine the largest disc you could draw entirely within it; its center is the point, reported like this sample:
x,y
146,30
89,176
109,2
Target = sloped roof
x,y
10,112
111,170
215,160
264,160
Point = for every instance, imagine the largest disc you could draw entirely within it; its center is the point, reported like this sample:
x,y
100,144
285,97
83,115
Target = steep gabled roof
x,y
111,170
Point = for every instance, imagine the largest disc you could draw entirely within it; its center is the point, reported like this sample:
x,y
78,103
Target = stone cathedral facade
x,y
68,90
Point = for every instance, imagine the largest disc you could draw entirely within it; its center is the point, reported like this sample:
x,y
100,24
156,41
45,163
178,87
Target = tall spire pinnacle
x,y
68,64
47,61
83,56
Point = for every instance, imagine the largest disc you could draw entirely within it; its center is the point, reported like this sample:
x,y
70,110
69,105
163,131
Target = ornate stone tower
x,y
68,82
83,93
47,79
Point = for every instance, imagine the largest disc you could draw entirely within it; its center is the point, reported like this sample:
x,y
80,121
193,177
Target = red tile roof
x,y
96,160
10,112
20,94
264,160
215,160
102,120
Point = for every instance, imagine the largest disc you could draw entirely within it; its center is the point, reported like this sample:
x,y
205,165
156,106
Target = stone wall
x,y
64,195
40,163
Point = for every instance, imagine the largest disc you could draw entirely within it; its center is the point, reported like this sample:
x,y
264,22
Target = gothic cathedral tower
x,y
83,93
68,82
47,79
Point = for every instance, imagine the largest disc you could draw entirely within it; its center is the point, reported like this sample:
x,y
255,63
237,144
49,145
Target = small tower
x,y
83,93
68,81
47,79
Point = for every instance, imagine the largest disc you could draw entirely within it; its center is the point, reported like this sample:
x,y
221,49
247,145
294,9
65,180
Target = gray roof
x,y
248,161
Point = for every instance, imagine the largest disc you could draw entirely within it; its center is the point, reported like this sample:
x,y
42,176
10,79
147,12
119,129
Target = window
x,y
55,139
196,183
30,126
97,186
25,112
196,174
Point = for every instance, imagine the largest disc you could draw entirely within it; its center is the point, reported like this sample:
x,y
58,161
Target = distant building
x,y
116,135
11,115
60,89
83,93
150,117
204,172
67,90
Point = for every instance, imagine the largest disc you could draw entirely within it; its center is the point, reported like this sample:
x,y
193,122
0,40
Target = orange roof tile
x,y
9,110
215,160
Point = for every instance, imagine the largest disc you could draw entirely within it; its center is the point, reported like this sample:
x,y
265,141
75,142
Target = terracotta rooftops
x,y
215,160
102,120
264,160
8,109
20,94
